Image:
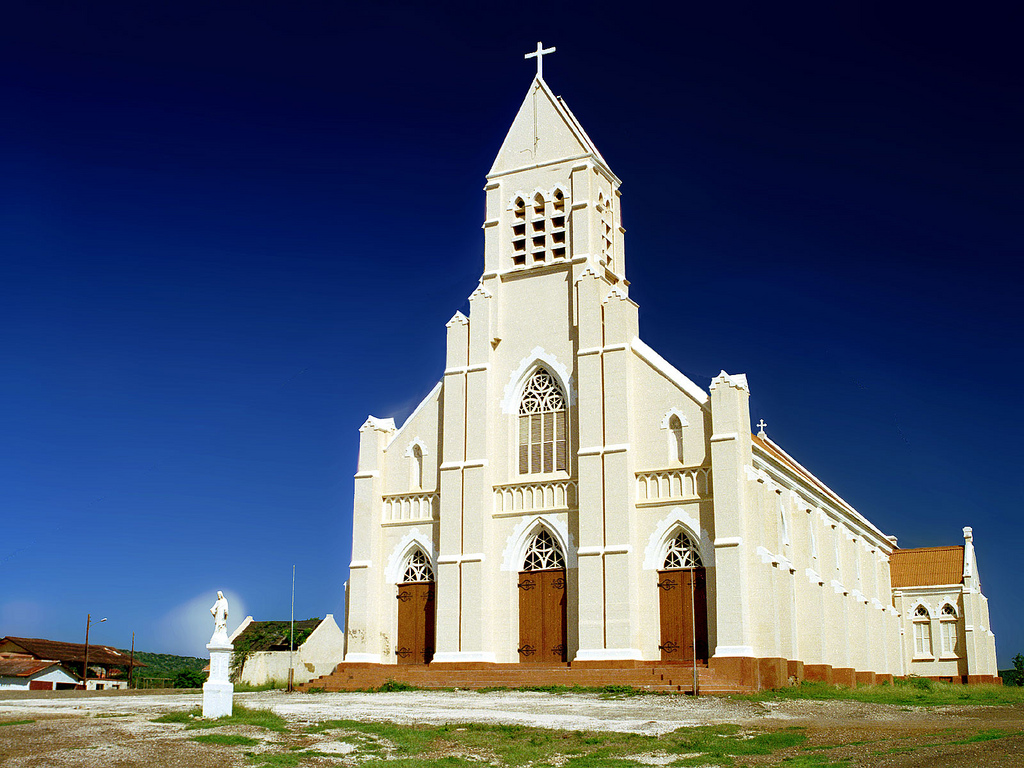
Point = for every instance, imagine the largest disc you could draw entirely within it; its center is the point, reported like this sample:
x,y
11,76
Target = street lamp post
x,y
85,665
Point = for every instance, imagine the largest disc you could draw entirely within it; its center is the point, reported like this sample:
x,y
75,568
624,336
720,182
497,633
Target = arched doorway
x,y
542,627
416,610
682,588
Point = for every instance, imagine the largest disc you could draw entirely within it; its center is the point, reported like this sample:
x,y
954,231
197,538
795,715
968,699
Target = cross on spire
x,y
761,425
539,56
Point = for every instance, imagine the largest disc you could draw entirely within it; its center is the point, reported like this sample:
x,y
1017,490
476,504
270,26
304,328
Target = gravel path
x,y
73,730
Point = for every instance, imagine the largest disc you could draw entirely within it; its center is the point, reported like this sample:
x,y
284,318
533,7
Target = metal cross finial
x,y
761,425
539,55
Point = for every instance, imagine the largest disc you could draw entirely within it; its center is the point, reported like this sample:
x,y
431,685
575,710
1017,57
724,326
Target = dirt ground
x,y
116,730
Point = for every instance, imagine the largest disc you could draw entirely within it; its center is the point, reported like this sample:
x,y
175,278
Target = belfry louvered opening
x,y
543,426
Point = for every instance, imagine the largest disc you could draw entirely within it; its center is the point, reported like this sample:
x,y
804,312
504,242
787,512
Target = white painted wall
x,y
319,655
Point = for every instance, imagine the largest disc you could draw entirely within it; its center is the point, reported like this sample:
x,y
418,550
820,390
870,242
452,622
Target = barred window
x,y
682,553
417,568
543,442
543,554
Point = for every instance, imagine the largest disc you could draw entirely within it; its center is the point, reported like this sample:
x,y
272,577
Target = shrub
x,y
189,678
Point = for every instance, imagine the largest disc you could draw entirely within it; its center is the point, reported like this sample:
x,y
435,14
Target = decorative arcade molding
x,y
666,485
410,507
523,498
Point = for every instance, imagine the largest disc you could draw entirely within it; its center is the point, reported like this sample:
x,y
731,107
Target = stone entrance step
x,y
651,676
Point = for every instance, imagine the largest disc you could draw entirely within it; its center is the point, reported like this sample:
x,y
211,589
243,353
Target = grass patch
x,y
812,761
392,686
193,718
411,746
987,735
919,692
227,739
287,759
726,740
16,722
179,717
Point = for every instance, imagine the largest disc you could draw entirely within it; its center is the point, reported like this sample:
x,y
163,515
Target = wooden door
x,y
415,623
684,614
542,628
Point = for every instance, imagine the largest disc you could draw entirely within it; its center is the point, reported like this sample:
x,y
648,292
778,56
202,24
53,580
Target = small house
x,y
21,672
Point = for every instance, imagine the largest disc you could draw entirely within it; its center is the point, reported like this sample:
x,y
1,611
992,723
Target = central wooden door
x,y
684,614
415,623
542,627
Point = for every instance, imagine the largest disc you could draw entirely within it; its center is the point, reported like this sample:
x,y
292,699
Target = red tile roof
x,y
24,666
101,655
927,566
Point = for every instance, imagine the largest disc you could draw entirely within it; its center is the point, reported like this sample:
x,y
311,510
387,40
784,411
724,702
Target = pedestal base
x,y
218,692
218,699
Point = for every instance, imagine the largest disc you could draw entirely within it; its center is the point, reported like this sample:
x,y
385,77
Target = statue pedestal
x,y
218,691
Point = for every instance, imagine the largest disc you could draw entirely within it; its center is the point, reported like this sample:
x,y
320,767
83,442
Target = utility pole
x,y
131,663
291,641
85,664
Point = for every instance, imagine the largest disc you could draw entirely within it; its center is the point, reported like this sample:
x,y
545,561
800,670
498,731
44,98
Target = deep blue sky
x,y
229,231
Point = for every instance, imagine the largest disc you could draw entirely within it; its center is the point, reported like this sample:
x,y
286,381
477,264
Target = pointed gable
x,y
544,131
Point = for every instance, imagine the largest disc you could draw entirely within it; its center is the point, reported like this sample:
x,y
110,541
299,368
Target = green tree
x,y
1018,670
189,678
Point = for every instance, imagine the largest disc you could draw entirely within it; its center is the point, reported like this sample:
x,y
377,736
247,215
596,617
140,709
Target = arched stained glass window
x,y
682,553
543,554
543,417
417,568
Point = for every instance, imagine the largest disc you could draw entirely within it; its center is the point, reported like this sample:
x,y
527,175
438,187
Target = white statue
x,y
218,691
220,619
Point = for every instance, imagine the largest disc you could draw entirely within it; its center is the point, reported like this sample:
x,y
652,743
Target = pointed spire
x,y
544,131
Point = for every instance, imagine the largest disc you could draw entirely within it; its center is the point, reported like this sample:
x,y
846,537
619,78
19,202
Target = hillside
x,y
165,664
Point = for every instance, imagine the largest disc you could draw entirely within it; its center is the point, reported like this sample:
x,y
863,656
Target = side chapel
x,y
565,495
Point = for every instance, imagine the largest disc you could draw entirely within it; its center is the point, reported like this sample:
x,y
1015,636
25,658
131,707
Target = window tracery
x,y
682,553
543,554
543,440
417,568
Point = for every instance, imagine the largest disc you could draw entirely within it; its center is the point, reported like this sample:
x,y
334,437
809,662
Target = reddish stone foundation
x,y
818,673
795,672
866,678
844,676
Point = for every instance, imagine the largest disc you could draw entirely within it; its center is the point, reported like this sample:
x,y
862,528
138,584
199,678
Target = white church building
x,y
565,496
